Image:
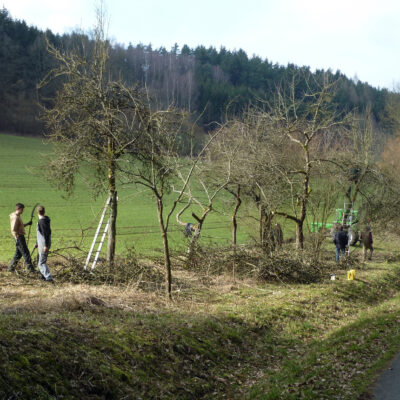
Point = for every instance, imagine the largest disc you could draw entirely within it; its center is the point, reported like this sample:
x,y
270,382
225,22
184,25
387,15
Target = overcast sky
x,y
358,37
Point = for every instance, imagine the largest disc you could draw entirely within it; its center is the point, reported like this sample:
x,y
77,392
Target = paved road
x,y
388,384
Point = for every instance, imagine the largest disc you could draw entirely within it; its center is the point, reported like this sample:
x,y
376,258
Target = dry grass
x,y
192,292
24,294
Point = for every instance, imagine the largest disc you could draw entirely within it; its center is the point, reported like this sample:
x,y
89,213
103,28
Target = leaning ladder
x,y
101,223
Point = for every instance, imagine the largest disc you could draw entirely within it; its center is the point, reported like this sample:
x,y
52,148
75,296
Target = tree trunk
x,y
299,235
112,229
167,257
197,232
194,239
234,219
234,229
268,236
304,201
261,223
257,200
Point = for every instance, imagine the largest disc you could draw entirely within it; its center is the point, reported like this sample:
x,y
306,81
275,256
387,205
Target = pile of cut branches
x,y
294,267
127,271
284,265
218,260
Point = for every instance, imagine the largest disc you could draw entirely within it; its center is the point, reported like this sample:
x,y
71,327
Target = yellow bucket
x,y
351,275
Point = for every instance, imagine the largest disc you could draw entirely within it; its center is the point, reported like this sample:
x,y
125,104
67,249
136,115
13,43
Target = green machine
x,y
347,217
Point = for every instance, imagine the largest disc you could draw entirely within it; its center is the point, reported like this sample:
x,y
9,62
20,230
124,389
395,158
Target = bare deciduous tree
x,y
93,122
302,121
208,186
223,166
161,166
253,150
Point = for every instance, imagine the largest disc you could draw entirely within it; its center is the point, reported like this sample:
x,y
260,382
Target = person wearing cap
x,y
18,232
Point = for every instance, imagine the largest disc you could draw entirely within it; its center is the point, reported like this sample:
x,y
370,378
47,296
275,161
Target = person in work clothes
x,y
18,232
43,243
367,242
341,240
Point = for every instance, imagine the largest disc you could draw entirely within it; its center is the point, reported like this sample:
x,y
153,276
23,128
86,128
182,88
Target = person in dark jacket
x,y
367,242
43,243
341,240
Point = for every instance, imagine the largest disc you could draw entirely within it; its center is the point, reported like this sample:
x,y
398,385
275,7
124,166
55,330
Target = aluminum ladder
x,y
96,235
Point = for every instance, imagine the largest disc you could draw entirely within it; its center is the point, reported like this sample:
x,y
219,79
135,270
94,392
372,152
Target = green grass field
x,y
137,223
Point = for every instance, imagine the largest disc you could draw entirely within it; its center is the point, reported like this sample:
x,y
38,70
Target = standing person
x,y
43,243
367,241
341,240
18,232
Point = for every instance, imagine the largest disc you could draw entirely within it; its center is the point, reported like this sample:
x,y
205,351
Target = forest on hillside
x,y
207,82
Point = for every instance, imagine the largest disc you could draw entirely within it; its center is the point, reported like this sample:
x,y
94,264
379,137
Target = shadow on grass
x,y
114,354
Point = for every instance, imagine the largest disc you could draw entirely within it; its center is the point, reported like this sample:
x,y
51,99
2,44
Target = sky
x,y
361,38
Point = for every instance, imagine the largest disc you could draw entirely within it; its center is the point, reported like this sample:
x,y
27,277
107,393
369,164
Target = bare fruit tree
x,y
302,116
253,149
93,121
371,176
224,165
161,165
359,157
327,190
207,187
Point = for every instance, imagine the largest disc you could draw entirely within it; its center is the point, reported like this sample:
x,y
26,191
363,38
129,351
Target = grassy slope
x,y
137,218
219,339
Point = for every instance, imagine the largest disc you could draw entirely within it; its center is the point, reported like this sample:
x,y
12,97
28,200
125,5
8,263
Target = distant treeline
x,y
207,82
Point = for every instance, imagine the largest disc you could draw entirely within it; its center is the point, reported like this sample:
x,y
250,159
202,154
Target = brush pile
x,y
288,265
126,271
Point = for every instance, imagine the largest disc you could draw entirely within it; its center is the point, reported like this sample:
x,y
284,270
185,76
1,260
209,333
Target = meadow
x,y
137,225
